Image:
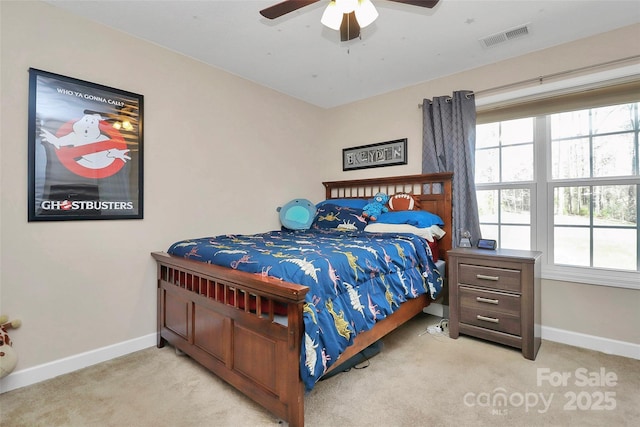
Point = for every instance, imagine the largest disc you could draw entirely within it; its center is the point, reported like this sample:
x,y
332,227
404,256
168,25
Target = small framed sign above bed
x,y
387,153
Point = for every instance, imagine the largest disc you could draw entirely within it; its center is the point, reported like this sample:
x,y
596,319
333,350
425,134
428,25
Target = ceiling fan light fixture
x,y
350,29
365,13
332,16
347,6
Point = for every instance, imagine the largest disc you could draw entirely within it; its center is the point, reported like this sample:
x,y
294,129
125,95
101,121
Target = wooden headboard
x,y
433,191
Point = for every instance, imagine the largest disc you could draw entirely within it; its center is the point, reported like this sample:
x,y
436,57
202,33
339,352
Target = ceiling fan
x,y
348,16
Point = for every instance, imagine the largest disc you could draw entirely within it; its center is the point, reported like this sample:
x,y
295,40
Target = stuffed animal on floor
x,y
375,207
8,356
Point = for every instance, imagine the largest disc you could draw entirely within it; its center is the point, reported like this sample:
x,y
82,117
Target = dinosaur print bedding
x,y
355,278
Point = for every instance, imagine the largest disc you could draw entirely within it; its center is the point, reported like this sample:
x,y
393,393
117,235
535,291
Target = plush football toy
x,y
403,202
375,207
8,356
298,214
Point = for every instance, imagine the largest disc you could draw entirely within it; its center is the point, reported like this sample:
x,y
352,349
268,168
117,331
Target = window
x,y
504,181
566,183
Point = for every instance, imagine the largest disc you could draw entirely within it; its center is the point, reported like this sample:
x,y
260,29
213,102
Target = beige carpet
x,y
417,380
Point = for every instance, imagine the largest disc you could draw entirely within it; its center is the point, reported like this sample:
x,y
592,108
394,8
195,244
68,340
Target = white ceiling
x,y
406,45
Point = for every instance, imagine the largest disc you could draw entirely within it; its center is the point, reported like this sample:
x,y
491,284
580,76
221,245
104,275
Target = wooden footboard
x,y
205,311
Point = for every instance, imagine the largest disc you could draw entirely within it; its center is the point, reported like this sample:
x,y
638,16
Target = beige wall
x,y
212,143
220,154
602,311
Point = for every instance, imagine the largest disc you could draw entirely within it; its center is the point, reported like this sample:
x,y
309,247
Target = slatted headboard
x,y
433,191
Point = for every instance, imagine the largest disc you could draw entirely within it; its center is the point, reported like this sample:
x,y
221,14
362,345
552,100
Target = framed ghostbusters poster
x,y
85,150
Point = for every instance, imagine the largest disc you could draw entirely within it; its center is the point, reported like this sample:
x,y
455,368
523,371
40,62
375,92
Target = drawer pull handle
x,y
488,319
485,277
487,300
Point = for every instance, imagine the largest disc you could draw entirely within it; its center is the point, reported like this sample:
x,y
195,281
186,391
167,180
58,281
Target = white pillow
x,y
430,233
438,232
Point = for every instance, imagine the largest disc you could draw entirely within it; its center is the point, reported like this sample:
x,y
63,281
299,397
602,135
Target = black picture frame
x,y
388,153
85,150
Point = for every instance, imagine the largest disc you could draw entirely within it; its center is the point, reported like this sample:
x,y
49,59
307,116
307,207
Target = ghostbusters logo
x,y
89,147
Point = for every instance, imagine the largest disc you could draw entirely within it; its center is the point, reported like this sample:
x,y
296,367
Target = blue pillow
x,y
335,217
349,203
416,218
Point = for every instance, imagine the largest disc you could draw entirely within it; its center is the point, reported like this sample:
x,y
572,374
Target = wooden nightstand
x,y
495,295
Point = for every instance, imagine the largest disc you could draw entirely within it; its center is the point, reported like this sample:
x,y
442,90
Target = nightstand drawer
x,y
489,319
474,298
489,277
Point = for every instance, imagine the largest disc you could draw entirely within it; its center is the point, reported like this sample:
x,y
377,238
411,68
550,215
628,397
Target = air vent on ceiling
x,y
504,36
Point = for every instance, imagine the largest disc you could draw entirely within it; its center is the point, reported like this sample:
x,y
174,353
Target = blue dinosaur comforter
x,y
354,279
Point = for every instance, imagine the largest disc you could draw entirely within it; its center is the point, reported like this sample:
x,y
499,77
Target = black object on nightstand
x,y
495,295
487,244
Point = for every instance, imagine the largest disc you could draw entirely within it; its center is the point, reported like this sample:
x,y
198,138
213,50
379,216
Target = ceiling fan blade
x,y
349,29
422,3
277,10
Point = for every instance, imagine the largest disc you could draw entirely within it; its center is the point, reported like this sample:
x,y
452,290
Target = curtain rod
x,y
467,95
540,79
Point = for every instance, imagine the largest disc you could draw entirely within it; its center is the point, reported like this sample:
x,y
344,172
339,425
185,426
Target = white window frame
x,y
590,275
542,222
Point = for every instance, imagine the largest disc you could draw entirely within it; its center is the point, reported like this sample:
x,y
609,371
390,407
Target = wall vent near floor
x,y
504,36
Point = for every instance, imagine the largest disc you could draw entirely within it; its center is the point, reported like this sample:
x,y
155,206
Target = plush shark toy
x,y
298,214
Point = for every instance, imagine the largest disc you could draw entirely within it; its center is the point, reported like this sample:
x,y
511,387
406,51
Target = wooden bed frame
x,y
204,310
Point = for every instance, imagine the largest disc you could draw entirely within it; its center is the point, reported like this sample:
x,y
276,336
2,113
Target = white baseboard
x,y
592,342
434,309
53,369
437,309
577,339
69,364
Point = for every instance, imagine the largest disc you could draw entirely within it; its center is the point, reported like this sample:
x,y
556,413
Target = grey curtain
x,y
448,145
